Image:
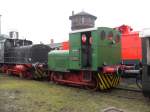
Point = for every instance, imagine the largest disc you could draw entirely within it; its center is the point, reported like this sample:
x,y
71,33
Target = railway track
x,y
129,93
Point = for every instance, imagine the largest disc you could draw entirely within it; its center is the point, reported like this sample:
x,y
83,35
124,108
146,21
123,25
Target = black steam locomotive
x,y
18,51
18,56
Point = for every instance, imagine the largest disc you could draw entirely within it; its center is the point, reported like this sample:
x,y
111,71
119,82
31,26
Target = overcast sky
x,y
41,20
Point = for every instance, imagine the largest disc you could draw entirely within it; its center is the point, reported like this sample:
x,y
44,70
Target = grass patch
x,y
18,95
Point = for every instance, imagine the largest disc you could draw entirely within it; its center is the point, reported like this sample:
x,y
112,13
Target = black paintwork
x,y
17,51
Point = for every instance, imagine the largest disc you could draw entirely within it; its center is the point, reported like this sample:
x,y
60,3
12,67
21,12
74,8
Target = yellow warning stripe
x,y
111,77
101,80
115,78
116,81
100,85
106,81
103,83
113,81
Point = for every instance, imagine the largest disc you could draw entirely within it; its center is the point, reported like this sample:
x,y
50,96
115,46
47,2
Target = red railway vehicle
x,y
65,45
131,50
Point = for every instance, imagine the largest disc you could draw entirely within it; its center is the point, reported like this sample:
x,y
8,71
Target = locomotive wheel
x,y
95,84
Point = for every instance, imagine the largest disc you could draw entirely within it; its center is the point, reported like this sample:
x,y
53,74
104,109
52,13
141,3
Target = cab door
x,y
86,50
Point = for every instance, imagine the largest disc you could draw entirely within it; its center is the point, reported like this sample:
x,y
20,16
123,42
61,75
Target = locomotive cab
x,y
93,48
81,49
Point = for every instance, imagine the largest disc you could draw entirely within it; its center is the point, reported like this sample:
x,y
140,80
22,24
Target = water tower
x,y
82,20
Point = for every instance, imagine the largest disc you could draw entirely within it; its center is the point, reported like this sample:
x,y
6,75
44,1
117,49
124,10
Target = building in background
x,y
82,20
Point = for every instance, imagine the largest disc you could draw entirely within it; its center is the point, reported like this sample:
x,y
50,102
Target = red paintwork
x,y
110,69
130,43
75,79
65,45
4,68
18,69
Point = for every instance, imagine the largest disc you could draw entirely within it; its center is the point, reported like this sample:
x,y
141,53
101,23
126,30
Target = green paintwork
x,y
75,51
95,50
104,51
107,52
58,60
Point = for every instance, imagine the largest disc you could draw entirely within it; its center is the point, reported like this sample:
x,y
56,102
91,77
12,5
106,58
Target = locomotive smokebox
x,y
82,20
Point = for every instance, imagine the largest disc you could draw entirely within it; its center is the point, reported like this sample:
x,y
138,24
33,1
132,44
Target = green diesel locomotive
x,y
91,61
